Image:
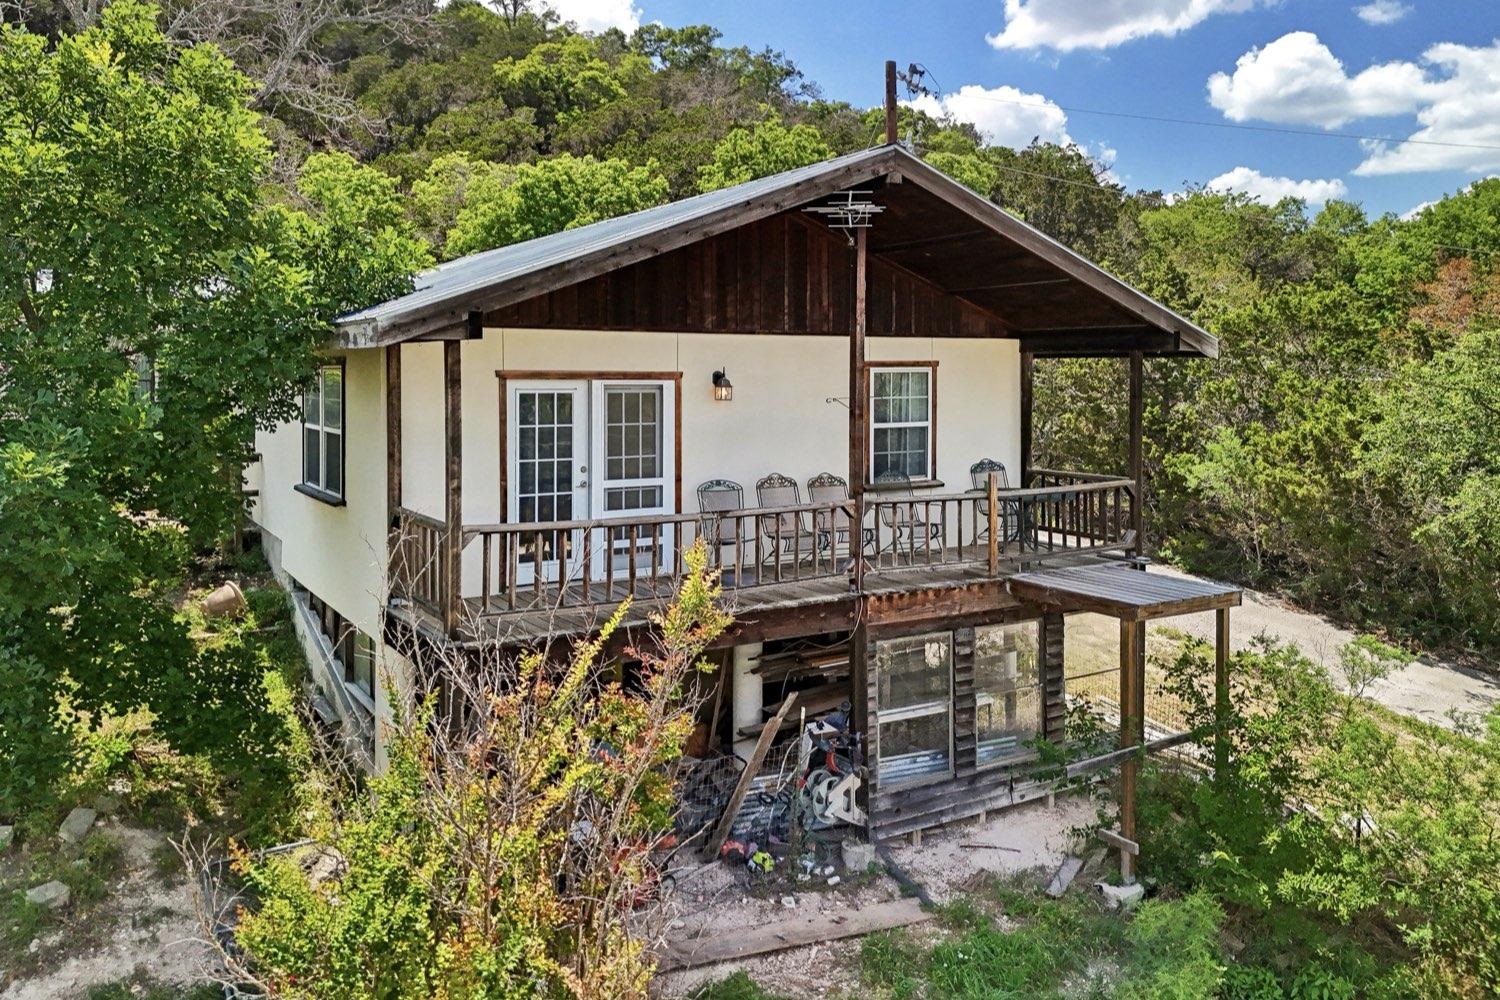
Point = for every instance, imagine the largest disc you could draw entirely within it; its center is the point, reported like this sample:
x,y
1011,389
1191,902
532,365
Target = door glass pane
x,y
544,461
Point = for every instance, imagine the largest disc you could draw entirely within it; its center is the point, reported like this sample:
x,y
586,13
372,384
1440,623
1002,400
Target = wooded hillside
x,y
1342,449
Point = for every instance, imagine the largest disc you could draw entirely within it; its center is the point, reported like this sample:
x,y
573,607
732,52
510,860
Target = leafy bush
x,y
1173,949
1347,838
501,858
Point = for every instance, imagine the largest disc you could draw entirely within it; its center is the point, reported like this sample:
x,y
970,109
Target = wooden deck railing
x,y
558,564
571,564
1092,514
416,560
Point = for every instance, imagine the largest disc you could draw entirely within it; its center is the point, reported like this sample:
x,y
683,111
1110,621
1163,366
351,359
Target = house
x,y
537,431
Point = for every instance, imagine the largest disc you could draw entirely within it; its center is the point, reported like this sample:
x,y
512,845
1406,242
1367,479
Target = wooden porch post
x,y
1137,463
1132,719
392,433
858,474
1221,691
1028,361
454,467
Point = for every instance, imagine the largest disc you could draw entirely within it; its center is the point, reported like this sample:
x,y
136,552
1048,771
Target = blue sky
x,y
1400,68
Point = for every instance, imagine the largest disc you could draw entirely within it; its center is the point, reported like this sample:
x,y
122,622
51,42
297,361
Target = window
x,y
901,411
633,441
323,434
1007,690
359,667
914,704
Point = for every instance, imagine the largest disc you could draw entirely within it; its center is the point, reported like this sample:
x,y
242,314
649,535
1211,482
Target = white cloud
x,y
1003,115
1382,11
1246,180
1454,91
1070,24
1297,79
1416,210
1464,109
599,15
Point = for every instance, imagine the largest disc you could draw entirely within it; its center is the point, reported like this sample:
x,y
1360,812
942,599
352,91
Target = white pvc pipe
x,y
746,697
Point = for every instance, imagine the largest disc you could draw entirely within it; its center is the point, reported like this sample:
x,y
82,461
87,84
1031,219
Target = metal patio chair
x,y
833,530
1009,513
905,520
716,498
786,532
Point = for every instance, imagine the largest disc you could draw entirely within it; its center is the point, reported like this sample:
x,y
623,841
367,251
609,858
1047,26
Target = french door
x,y
591,449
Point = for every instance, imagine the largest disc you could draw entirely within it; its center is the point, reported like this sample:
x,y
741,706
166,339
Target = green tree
x,y
767,148
152,313
535,199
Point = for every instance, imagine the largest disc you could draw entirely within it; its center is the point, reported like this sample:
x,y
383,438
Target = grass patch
x,y
1051,948
88,873
736,987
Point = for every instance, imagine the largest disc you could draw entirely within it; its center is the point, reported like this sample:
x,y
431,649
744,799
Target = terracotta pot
x,y
228,601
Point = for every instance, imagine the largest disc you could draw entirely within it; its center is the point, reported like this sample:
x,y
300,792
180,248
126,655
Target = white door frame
x,y
577,468
589,467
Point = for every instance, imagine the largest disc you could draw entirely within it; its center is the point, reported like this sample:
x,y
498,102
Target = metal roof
x,y
443,296
476,272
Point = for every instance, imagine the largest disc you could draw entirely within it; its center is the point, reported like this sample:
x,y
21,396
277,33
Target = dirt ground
x,y
145,928
718,899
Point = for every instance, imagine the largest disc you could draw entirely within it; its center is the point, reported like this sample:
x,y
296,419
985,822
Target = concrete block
x,y
52,895
77,825
858,855
1122,897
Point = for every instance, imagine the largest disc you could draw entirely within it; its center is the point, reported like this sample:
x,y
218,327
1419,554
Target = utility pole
x,y
890,102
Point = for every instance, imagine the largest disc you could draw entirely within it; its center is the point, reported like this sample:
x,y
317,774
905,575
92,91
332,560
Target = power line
x,y
1204,123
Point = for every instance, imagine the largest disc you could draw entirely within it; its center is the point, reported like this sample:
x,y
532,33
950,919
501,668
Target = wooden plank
x,y
752,768
1064,876
793,932
1121,843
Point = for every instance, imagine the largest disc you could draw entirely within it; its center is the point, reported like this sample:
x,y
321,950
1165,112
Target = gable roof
x,y
443,297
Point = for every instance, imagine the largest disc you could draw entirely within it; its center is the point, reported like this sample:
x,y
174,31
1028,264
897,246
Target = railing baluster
x,y
484,573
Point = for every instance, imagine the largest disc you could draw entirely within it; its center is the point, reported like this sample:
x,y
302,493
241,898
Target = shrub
x,y
501,858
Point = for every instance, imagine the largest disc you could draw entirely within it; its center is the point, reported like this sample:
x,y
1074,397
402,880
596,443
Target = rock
x,y
77,825
790,902
858,855
834,881
106,805
7,837
53,895
1122,897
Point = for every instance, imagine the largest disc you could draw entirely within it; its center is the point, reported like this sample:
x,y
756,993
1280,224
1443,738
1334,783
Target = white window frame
x,y
324,431
929,425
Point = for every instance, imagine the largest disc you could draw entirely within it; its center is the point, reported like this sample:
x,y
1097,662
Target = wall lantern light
x,y
723,388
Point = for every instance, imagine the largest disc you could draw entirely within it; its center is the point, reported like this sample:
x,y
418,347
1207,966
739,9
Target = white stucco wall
x,y
779,421
337,552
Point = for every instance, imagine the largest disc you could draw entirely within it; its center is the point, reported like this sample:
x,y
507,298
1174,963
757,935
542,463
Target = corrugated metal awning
x,y
1122,591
